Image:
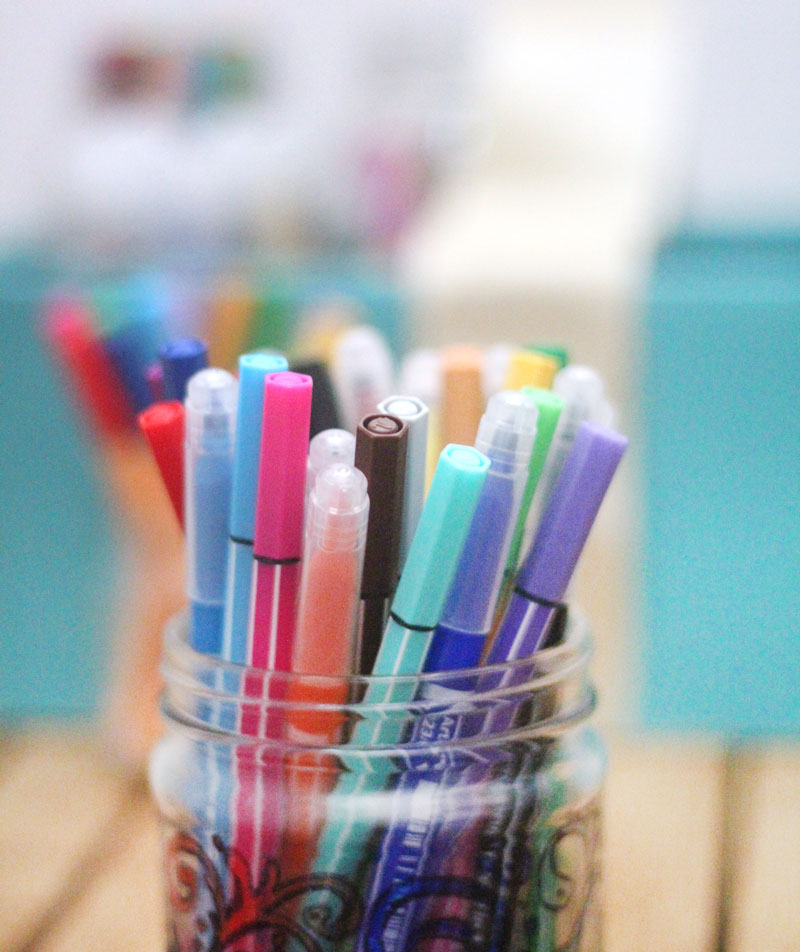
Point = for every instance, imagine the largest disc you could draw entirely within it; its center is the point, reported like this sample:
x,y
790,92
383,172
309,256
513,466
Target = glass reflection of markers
x,y
381,442
210,430
253,369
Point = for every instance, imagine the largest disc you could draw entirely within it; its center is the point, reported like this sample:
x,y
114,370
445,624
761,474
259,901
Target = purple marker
x,y
565,525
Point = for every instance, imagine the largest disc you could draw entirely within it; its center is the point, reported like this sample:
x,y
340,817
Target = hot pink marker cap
x,y
282,466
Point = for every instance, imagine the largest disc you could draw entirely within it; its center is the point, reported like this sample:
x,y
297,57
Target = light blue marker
x,y
210,427
253,368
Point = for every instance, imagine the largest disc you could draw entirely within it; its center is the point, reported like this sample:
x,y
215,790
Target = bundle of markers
x,y
318,550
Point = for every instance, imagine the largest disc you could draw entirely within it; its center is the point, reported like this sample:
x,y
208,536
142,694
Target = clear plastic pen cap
x,y
211,409
507,430
327,448
583,393
338,509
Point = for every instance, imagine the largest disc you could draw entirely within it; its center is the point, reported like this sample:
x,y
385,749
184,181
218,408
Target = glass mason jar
x,y
456,811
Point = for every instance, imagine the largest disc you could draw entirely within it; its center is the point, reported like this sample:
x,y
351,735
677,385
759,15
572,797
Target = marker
x,y
253,369
414,413
278,539
163,427
155,381
324,644
325,449
362,373
556,351
548,567
70,335
418,602
129,351
462,394
529,368
582,391
495,368
181,358
210,433
381,442
229,322
324,411
506,435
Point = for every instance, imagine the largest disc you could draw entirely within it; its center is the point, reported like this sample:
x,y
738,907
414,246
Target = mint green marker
x,y
428,573
550,407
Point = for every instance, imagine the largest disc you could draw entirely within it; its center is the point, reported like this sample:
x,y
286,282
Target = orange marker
x,y
333,560
462,394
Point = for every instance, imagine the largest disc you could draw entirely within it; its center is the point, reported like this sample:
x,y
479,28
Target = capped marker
x,y
180,359
130,351
210,433
163,427
416,415
556,351
325,449
462,393
361,371
324,410
530,368
253,370
567,520
381,443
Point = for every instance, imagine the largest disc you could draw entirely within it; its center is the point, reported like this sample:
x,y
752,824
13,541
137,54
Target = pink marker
x,y
278,541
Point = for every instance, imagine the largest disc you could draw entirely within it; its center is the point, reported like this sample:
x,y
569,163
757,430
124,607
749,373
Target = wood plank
x,y
663,813
123,908
57,796
765,906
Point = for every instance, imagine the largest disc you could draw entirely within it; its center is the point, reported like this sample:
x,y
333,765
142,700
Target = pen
x,y
180,358
505,435
462,393
416,416
362,373
278,540
381,441
324,411
210,430
530,368
163,427
542,580
253,369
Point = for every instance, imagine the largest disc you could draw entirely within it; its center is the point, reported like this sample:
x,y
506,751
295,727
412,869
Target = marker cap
x,y
324,410
181,358
583,393
462,393
282,465
507,430
381,444
329,447
210,409
443,526
163,425
571,511
338,509
531,368
253,370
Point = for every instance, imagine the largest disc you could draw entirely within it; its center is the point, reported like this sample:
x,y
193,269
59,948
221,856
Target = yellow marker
x,y
529,369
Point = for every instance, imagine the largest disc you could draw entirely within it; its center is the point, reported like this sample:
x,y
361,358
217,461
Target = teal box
x,y
57,556
721,541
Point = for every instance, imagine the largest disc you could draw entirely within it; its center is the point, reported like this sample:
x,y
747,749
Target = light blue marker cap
x,y
253,368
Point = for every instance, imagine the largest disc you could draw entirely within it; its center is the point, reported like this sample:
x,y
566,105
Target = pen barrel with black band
x,y
381,441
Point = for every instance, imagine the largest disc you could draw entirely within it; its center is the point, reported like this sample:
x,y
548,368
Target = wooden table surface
x,y
79,849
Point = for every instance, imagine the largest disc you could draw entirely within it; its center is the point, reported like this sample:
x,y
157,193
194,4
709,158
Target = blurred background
x,y
617,176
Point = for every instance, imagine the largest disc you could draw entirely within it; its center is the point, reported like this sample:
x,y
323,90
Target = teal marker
x,y
421,593
416,610
550,407
253,368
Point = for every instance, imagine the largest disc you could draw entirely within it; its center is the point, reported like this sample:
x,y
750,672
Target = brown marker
x,y
381,441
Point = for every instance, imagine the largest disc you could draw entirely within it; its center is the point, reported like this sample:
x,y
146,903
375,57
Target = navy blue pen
x,y
181,358
210,429
506,434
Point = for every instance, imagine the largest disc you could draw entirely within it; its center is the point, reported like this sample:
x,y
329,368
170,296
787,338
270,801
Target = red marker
x,y
278,541
163,427
69,332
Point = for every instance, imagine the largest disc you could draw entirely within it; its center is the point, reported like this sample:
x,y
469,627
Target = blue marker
x,y
505,435
130,351
253,368
181,358
210,426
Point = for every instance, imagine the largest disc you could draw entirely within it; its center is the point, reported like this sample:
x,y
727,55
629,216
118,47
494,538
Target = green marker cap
x,y
558,353
441,531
